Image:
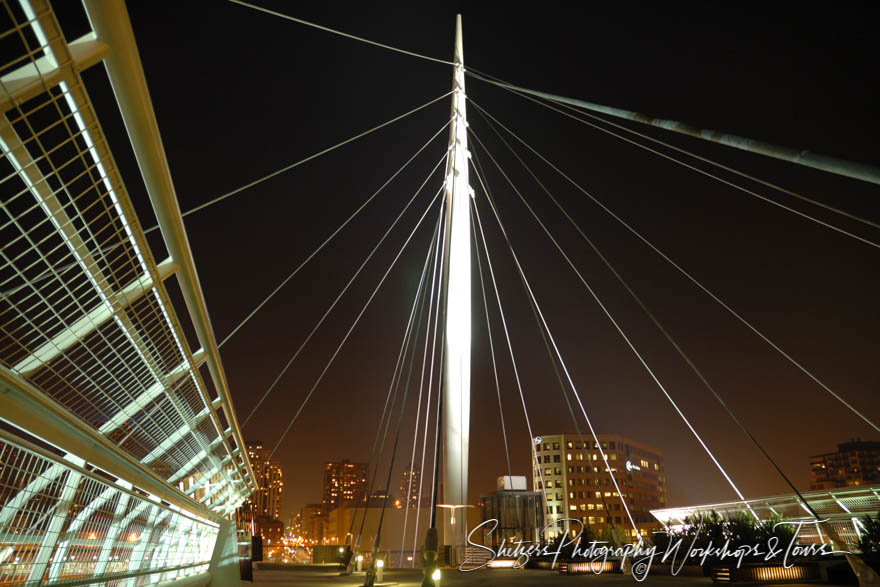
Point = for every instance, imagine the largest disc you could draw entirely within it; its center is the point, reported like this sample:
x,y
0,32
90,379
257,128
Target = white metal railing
x,y
85,317
843,508
61,522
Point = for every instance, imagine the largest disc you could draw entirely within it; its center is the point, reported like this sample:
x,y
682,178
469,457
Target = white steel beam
x,y
32,78
28,408
56,521
175,437
59,55
457,356
110,21
92,320
144,399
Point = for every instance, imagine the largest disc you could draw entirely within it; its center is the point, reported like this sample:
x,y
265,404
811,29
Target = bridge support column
x,y
457,364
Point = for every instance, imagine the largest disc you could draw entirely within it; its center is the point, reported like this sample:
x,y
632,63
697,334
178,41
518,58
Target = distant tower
x,y
344,483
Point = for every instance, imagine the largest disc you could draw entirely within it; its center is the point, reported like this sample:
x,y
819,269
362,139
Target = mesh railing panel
x,y
60,522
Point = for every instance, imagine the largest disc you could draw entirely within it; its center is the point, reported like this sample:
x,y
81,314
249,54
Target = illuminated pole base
x,y
355,550
370,579
429,558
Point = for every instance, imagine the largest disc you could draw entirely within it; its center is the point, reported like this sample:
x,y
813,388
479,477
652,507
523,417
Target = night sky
x,y
239,94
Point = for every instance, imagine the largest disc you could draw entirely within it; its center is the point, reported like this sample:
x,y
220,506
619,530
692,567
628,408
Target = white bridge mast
x,y
457,356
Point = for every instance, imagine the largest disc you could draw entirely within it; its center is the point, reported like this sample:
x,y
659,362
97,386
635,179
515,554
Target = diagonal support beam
x,y
92,320
34,77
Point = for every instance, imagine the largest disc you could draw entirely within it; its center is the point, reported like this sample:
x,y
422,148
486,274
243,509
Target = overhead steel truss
x,y
96,368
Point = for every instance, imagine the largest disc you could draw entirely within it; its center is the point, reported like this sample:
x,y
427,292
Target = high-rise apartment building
x,y
409,487
271,491
267,500
578,484
344,482
257,455
856,462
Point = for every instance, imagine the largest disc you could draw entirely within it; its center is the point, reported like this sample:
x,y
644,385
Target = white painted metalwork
x,y
457,355
842,507
85,315
82,524
94,363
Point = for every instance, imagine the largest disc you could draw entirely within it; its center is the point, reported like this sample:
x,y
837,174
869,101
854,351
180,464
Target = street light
x,y
380,566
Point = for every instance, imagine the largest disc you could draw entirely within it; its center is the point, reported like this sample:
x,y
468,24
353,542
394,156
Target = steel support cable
x,y
512,357
681,270
389,397
301,161
339,296
608,315
478,171
722,180
412,458
378,537
340,33
861,171
412,338
674,148
355,323
562,386
329,238
727,168
435,475
657,323
439,281
492,353
558,353
395,380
